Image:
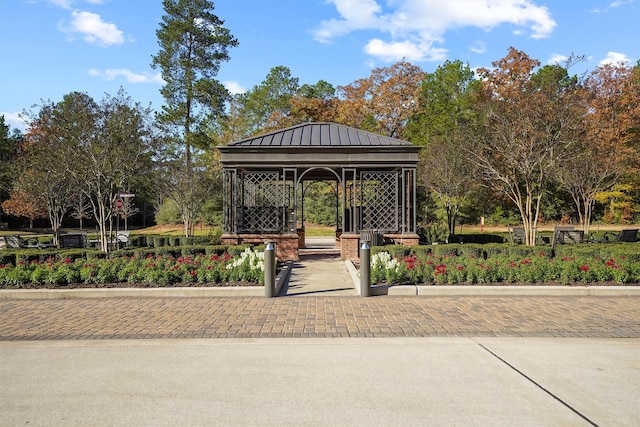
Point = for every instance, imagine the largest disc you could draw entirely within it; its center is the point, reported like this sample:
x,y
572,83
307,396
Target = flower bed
x,y
157,269
475,265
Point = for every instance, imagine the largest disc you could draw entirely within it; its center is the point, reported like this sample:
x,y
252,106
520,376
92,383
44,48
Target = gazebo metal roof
x,y
319,144
319,135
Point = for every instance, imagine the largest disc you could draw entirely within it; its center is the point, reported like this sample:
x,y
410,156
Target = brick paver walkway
x,y
248,317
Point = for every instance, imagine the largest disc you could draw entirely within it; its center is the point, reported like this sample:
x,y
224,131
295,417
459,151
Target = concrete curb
x,y
353,271
602,291
258,291
228,291
282,280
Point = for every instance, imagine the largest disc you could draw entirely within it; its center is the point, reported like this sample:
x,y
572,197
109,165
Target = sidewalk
x,y
322,382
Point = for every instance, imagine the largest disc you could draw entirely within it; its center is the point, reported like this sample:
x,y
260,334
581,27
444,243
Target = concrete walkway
x,y
321,274
320,271
322,382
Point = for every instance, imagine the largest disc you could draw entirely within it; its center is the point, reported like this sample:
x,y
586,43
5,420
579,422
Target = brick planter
x,y
286,244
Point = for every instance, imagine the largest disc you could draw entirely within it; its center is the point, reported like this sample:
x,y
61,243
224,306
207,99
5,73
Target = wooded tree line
x,y
518,137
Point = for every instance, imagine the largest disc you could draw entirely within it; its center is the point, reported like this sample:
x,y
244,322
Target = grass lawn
x,y
313,230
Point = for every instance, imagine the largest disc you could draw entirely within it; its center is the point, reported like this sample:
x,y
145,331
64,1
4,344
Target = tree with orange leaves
x,y
526,133
43,168
26,205
383,102
606,151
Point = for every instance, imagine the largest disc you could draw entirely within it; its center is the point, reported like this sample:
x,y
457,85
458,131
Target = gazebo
x,y
373,176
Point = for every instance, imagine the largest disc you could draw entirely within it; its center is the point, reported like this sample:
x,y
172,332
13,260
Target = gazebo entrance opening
x,y
266,178
311,184
319,206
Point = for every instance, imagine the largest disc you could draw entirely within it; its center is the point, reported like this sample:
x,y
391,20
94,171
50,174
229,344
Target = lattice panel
x,y
229,201
261,202
261,189
379,200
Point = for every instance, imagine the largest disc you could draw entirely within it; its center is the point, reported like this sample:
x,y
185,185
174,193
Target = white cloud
x,y
619,3
234,87
15,120
356,14
415,27
615,58
131,77
93,29
395,51
557,59
478,47
67,4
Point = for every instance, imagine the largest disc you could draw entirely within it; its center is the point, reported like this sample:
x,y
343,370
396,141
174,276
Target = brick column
x,y
350,247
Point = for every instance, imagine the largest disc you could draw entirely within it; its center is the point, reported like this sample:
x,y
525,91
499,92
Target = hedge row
x,y
14,256
484,251
452,264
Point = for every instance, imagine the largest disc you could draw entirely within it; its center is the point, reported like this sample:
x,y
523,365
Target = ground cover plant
x,y
474,264
137,267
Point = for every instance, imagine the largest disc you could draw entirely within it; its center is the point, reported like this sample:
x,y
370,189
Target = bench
x,y
567,234
516,234
72,240
628,235
16,242
122,238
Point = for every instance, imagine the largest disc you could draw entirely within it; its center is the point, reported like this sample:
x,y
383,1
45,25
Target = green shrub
x,y
472,251
445,250
168,213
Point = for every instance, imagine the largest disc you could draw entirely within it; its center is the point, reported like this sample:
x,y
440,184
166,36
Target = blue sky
x,y
52,47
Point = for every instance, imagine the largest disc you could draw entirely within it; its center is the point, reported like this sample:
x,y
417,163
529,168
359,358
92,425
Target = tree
x,y
189,195
313,103
384,102
268,103
117,138
25,204
441,125
43,166
605,151
9,143
81,208
525,136
193,45
276,103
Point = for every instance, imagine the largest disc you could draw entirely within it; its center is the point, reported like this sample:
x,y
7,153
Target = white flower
x,y
385,260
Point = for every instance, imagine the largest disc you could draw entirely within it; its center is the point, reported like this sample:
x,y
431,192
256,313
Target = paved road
x,y
257,317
